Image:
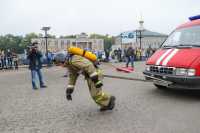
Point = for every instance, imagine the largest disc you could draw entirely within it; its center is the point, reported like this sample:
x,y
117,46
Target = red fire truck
x,y
177,63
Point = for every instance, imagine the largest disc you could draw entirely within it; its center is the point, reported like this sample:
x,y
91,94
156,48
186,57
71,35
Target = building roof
x,y
146,33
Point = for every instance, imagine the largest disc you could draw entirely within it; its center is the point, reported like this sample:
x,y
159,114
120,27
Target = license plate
x,y
162,83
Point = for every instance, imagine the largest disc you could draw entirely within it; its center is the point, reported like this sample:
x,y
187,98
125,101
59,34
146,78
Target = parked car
x,y
61,55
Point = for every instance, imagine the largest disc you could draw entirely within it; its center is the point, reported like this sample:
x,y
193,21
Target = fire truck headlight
x,y
185,72
147,68
181,71
191,72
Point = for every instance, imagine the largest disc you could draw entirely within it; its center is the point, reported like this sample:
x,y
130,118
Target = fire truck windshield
x,y
185,37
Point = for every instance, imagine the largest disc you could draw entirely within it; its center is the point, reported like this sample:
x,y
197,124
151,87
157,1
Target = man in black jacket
x,y
130,56
35,65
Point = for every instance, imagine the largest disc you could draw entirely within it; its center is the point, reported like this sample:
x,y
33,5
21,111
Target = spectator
x,y
5,61
1,64
148,52
35,65
119,55
130,56
107,53
49,58
9,58
143,54
15,60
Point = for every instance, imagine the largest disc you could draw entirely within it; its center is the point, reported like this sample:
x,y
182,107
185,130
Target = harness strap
x,y
84,53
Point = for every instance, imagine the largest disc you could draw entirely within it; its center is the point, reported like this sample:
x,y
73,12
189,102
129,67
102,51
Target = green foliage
x,y
10,42
18,43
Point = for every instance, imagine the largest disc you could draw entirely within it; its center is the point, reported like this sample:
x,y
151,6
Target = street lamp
x,y
140,30
139,35
45,29
121,39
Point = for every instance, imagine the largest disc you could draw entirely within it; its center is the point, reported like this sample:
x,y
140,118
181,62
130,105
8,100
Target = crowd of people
x,y
8,60
139,54
129,55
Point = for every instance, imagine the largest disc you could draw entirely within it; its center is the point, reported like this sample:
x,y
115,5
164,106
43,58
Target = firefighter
x,y
77,65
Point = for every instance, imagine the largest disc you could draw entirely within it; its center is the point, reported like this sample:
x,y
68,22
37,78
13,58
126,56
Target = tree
x,y
10,42
27,40
16,43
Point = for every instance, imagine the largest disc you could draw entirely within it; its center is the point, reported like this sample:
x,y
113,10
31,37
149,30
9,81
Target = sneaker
x,y
110,106
43,86
35,88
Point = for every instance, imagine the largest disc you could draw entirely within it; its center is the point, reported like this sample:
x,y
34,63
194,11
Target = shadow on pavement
x,y
193,95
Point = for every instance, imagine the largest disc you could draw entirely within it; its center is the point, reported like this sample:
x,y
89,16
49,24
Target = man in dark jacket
x,y
130,57
119,55
35,65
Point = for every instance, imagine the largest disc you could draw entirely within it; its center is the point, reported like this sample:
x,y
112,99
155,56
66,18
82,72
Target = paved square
x,y
141,108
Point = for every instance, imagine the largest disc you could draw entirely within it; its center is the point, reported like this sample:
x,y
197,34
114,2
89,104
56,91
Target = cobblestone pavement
x,y
140,108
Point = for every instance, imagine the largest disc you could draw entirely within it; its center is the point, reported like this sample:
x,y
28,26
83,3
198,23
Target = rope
x,y
108,64
120,77
125,78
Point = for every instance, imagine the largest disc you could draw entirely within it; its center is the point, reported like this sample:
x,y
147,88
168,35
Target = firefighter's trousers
x,y
100,97
78,64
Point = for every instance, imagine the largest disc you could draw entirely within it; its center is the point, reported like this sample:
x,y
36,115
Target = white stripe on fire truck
x,y
163,56
169,57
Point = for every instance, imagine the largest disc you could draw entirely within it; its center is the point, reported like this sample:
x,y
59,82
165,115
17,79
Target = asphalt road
x,y
140,107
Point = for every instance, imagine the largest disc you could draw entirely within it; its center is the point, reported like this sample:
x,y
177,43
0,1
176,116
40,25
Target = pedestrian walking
x,y
130,56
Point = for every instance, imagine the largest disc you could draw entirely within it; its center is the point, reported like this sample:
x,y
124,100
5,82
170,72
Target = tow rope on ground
x,y
109,64
125,78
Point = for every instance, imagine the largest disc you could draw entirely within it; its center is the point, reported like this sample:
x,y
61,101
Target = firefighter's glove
x,y
69,91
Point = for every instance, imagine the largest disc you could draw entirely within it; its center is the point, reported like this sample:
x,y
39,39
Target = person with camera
x,y
35,65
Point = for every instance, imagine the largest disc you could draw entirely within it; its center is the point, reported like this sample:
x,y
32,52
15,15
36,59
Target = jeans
x,y
130,59
34,74
10,62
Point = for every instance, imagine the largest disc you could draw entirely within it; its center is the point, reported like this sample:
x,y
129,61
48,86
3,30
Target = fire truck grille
x,y
162,70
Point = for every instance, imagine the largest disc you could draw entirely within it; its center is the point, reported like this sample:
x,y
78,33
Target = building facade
x,y
140,38
148,39
59,44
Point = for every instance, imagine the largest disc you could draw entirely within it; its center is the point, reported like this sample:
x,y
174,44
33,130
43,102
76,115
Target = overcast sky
x,y
100,16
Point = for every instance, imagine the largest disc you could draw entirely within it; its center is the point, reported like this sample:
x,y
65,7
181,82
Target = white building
x,y
59,44
132,38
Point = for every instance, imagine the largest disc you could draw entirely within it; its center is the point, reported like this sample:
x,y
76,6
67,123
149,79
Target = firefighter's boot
x,y
110,106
